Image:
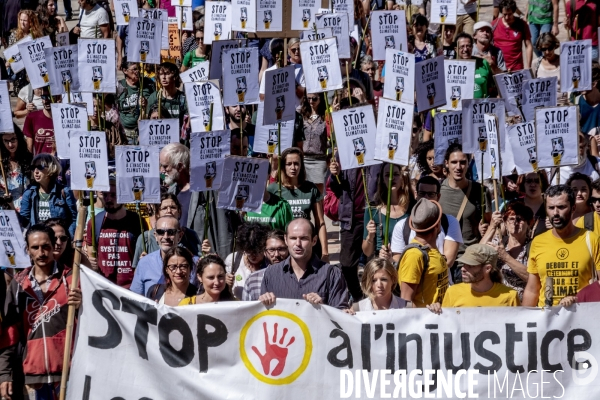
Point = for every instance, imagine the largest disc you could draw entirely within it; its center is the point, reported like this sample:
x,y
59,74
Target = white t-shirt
x,y
25,93
90,19
453,233
463,8
565,172
262,81
240,277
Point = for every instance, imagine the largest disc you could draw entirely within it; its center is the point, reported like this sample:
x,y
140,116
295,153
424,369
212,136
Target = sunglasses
x,y
594,200
62,238
312,99
199,37
427,194
45,97
295,50
169,232
39,167
544,49
534,180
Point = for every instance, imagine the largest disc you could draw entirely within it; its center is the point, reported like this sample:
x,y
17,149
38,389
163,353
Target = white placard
x,y
138,176
158,132
321,33
240,73
125,10
324,74
89,161
460,82
400,76
206,167
144,41
510,87
216,56
354,137
67,118
6,120
338,22
266,139
521,139
448,128
303,13
13,252
181,3
344,6
200,95
491,156
443,12
217,21
244,16
62,69
576,66
185,19
474,127
196,74
245,189
62,39
13,55
164,38
539,92
557,139
154,13
388,30
269,15
80,98
431,84
394,131
96,65
280,95
34,59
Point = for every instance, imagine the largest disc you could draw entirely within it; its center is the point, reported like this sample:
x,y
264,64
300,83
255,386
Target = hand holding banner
x,y
325,73
576,66
400,75
280,95
89,161
97,69
200,96
557,138
206,167
12,251
430,80
34,60
67,118
158,132
240,69
521,138
448,130
138,178
395,122
354,137
62,69
388,31
245,189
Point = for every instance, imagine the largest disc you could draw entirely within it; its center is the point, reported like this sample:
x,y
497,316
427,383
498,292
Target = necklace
x,y
314,116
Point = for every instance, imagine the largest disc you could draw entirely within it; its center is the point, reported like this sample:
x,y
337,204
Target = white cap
x,y
482,24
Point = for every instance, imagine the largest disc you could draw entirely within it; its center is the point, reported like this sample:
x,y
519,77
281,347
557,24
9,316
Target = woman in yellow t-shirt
x,y
211,275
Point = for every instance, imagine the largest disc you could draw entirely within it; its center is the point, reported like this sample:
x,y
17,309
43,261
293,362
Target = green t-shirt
x,y
540,12
300,200
128,102
483,79
379,219
191,59
176,107
276,213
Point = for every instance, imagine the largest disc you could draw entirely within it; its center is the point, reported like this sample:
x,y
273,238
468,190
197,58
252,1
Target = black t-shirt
x,y
450,52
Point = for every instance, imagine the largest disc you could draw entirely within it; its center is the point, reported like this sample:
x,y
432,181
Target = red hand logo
x,y
274,352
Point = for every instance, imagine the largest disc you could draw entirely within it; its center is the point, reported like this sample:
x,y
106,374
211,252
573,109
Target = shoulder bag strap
x,y
464,202
236,261
594,277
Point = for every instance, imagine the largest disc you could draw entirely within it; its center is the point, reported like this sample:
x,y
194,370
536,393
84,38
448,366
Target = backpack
x,y
425,256
406,229
588,221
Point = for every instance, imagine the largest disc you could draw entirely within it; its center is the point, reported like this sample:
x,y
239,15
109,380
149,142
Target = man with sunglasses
x,y
38,127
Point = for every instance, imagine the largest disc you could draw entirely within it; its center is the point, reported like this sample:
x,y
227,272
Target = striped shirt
x,y
252,286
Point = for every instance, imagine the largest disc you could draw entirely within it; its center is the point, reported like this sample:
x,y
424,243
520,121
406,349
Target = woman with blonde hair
x,y
378,282
27,24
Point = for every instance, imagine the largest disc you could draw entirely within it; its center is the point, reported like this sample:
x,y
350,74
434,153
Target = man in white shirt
x,y
588,165
92,17
466,14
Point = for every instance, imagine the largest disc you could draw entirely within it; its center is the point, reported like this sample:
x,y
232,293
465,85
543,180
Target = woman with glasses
x,y
548,65
200,54
16,161
46,198
129,101
178,266
531,188
213,287
64,251
315,138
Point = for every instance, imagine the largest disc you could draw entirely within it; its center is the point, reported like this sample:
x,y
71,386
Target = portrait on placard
x,y
448,130
510,88
521,139
388,31
217,21
244,16
269,15
185,20
206,166
267,136
400,74
96,65
325,73
540,92
473,130
576,66
240,69
460,82
443,12
280,95
62,69
355,141
125,10
6,119
557,136
13,57
431,83
67,118
138,176
34,60
394,130
89,161
243,184
144,41
303,13
13,252
321,33
338,23
158,132
200,96
216,56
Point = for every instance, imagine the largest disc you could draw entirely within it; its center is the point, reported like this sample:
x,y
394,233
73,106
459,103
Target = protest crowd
x,y
195,152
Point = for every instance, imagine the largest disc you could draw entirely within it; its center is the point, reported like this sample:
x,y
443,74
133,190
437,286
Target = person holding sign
x,y
28,24
38,127
548,64
200,54
315,138
16,161
510,34
171,98
129,100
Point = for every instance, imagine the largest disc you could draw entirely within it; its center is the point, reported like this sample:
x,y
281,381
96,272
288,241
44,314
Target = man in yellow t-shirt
x,y
482,281
419,285
561,260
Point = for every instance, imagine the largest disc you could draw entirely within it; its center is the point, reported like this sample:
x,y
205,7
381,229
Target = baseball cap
x,y
479,254
482,24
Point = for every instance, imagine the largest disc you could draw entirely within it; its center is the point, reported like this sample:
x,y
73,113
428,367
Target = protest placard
x,y
67,118
206,166
34,60
539,92
185,19
62,39
12,253
125,10
448,128
13,56
154,13
576,66
556,133
345,7
338,22
216,56
394,131
196,74
243,184
170,43
388,31
62,69
354,129
144,40
269,15
244,16
280,95
510,87
303,13
158,132
491,156
266,136
6,120
181,3
521,139
460,82
431,81
81,98
89,161
321,33
96,65
217,21
443,12
400,74
200,95
138,176
473,130
324,74
240,69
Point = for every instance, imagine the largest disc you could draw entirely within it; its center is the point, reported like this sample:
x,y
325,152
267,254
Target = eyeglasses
x,y
169,232
533,180
295,50
165,208
39,167
175,267
280,250
312,99
62,238
11,141
594,200
421,193
199,37
544,49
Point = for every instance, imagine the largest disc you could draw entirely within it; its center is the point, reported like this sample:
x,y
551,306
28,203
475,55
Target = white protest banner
x,y
521,139
448,128
34,60
138,177
13,56
576,66
62,69
460,82
539,92
244,16
6,120
388,31
158,132
185,18
324,74
303,13
67,118
154,13
510,87
217,21
97,65
269,15
216,56
197,73
400,74
556,133
125,10
240,71
344,7
80,98
321,33
243,184
206,166
474,138
144,41
280,95
394,130
62,39
354,129
266,136
491,156
443,12
12,252
338,22
431,83
89,161
200,96
181,3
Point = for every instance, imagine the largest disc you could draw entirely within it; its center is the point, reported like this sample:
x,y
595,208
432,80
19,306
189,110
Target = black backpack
x,y
588,221
425,256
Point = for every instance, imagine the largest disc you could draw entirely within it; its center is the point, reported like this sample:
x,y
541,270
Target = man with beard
x,y
485,49
562,261
117,230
